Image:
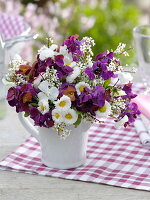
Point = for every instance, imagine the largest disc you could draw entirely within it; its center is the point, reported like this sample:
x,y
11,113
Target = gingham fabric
x,y
11,26
114,157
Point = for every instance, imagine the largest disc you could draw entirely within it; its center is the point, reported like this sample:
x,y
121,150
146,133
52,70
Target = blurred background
x,y
107,21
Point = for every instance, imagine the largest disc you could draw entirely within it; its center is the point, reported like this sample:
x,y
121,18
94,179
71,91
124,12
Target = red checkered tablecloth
x,y
11,26
114,157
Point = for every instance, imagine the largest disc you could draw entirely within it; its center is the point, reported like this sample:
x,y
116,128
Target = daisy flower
x,y
73,75
43,106
104,111
57,116
80,87
121,122
70,117
63,104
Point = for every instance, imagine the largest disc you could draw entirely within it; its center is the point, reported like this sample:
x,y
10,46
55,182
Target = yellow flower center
x,y
68,116
42,107
57,115
68,64
71,93
102,109
81,88
60,129
62,103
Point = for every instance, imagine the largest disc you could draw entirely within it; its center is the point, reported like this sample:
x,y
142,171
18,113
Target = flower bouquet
x,y
66,86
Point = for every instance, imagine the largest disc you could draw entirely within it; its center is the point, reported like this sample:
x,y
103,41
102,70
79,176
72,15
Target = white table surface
x,y
19,186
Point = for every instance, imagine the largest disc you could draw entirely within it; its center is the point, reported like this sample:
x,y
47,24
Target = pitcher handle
x,y
28,126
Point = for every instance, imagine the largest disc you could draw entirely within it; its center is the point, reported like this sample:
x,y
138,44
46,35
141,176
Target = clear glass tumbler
x,y
142,46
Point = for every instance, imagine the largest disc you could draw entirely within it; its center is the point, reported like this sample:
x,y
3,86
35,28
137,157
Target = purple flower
x,y
42,65
98,96
90,100
128,90
101,55
21,96
100,68
89,72
12,96
131,111
59,60
105,55
73,46
63,72
41,120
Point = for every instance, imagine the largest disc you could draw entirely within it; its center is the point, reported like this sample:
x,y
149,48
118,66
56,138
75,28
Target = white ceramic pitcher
x,y
60,153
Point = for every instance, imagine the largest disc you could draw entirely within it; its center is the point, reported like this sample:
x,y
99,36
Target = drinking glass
x,y
142,46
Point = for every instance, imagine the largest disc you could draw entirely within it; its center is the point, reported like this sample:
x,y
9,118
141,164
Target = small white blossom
x,y
120,48
62,130
51,76
16,62
125,53
118,104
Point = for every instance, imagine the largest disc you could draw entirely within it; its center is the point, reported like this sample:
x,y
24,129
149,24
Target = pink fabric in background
x,y
143,102
11,26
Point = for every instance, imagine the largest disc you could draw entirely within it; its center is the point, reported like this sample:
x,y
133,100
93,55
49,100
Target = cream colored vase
x,y
59,153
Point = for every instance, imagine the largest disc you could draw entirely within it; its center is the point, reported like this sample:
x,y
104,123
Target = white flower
x,y
70,116
46,52
80,87
16,62
68,59
104,111
124,77
63,104
121,122
43,106
57,116
73,75
47,93
7,83
120,48
53,47
63,50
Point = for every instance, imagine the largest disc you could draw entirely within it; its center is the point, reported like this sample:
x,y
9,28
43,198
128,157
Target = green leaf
x,y
33,105
106,83
26,114
78,121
